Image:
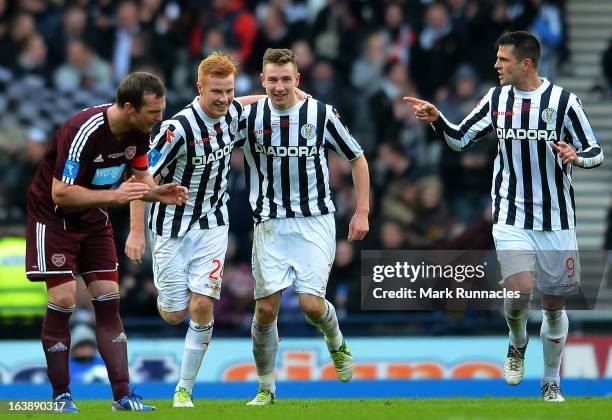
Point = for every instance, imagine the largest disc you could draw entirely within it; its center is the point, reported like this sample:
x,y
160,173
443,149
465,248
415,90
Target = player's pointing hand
x,y
423,110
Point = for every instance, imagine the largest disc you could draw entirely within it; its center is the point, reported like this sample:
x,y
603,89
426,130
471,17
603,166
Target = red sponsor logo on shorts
x,y
58,260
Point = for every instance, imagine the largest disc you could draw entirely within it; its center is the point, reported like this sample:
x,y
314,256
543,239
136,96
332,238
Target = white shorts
x,y
294,251
552,257
191,263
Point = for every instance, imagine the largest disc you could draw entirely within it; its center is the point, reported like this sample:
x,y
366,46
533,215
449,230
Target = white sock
x,y
553,333
265,347
517,314
196,343
328,325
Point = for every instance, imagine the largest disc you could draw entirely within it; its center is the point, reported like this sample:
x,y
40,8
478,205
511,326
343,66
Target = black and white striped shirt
x,y
531,187
193,150
286,157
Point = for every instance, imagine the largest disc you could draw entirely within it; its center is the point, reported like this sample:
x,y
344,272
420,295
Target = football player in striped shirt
x,y
285,150
542,132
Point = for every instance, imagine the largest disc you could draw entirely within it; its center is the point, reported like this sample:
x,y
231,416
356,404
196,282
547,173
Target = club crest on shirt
x,y
130,152
233,127
549,115
308,131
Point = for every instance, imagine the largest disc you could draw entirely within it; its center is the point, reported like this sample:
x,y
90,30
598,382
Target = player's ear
x,y
129,108
297,79
199,87
526,62
262,78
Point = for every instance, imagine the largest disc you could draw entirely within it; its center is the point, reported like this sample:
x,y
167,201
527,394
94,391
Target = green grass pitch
x,y
322,409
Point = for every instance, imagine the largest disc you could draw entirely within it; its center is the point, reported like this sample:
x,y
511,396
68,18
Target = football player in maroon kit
x,y
69,234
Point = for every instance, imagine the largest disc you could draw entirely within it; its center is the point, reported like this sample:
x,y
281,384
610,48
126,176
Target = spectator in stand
x,y
488,21
83,68
74,25
344,279
397,33
366,73
400,203
86,365
19,28
274,33
393,163
127,29
305,59
466,175
436,52
335,33
548,28
32,58
392,236
19,175
433,222
295,12
368,69
330,89
387,114
162,25
233,19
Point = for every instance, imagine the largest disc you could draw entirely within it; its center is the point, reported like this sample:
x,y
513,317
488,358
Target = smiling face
x,y
216,95
508,66
280,81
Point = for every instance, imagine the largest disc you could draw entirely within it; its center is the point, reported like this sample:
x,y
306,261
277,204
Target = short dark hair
x,y
525,45
279,56
135,85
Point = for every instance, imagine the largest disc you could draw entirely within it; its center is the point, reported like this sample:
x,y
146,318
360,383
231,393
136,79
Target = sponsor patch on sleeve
x,y
71,170
154,156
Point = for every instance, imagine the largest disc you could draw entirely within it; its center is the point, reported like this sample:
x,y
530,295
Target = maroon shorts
x,y
54,253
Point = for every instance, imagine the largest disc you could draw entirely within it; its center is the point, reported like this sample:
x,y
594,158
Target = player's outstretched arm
x,y
423,110
359,225
458,137
66,195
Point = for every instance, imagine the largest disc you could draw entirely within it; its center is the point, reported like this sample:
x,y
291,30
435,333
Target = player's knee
x,y
175,317
265,312
522,282
551,302
201,306
313,308
65,301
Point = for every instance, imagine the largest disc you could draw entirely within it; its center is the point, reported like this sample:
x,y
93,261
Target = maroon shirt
x,y
84,152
